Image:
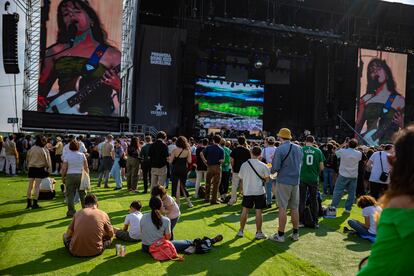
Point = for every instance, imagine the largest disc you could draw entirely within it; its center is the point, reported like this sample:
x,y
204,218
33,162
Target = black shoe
x,y
217,238
62,188
117,188
268,206
29,203
35,205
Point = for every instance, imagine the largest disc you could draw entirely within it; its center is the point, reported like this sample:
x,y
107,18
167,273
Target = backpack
x,y
164,250
308,220
202,245
202,192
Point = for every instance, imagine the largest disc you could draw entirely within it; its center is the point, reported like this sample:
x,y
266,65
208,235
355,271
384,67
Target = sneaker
x,y
240,234
195,196
260,236
268,206
190,205
301,225
275,237
190,250
231,203
294,237
217,238
317,226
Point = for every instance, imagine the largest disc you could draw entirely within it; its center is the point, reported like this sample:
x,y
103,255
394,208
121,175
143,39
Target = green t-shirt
x,y
312,157
392,252
225,167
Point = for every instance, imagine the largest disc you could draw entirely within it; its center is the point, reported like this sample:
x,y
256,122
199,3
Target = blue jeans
x,y
328,174
361,230
116,173
269,194
180,246
341,184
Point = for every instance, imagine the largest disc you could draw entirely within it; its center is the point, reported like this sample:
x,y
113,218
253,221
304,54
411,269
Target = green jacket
x,y
392,252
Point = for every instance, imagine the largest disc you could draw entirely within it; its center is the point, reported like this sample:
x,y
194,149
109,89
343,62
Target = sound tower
x,y
10,53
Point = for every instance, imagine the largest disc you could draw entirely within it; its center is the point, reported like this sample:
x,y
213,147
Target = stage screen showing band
x,y
80,57
222,104
381,103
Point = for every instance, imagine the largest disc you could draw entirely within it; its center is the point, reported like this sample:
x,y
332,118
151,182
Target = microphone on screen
x,y
72,30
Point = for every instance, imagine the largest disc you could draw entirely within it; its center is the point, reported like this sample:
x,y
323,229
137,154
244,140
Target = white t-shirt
x,y
75,161
268,153
376,166
82,147
371,212
349,162
252,184
134,221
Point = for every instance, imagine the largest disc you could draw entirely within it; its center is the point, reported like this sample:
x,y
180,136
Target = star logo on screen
x,y
158,112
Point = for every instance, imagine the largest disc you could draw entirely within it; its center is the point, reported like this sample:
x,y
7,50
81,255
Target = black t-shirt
x,y
240,155
158,153
200,164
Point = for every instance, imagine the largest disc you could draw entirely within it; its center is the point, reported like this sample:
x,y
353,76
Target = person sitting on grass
x,y
371,212
90,231
253,174
155,226
133,219
169,206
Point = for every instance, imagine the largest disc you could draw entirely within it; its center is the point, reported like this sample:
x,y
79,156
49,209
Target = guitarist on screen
x,y
81,61
382,107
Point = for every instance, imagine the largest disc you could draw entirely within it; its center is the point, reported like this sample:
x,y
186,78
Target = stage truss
x,y
32,55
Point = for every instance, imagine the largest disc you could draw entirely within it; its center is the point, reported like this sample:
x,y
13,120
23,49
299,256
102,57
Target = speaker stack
x,y
10,44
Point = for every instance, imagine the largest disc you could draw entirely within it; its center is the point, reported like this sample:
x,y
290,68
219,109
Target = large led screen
x,y
222,104
80,57
381,103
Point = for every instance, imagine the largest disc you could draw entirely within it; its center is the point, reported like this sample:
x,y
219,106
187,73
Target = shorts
x,y
58,158
38,172
124,235
256,201
287,196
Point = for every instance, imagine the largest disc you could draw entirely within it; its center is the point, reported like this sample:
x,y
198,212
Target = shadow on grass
x,y
50,261
31,225
359,245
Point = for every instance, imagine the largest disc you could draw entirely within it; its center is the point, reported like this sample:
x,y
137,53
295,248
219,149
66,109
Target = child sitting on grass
x,y
371,212
169,207
133,219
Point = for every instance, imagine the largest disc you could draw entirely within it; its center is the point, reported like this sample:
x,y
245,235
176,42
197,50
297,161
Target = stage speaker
x,y
10,53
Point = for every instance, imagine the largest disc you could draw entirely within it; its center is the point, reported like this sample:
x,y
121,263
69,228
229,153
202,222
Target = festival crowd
x,y
275,172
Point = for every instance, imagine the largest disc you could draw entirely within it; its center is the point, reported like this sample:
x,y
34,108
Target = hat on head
x,y
284,133
271,139
58,138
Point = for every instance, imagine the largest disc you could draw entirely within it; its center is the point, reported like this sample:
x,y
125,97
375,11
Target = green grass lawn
x,y
31,241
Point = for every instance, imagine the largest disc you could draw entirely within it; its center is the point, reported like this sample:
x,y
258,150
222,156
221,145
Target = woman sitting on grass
x,y
169,206
155,226
370,212
392,252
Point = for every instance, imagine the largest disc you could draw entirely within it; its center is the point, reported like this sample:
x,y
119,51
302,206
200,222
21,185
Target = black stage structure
x,y
305,52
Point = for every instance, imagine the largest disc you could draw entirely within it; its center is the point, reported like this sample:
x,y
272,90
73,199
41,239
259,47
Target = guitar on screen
x,y
68,102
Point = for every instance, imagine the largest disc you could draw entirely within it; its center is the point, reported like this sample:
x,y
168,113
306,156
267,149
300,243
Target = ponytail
x,y
155,205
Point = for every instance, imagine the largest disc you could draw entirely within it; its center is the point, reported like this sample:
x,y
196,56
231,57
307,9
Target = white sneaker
x,y
275,237
240,234
231,203
190,205
294,237
301,225
260,236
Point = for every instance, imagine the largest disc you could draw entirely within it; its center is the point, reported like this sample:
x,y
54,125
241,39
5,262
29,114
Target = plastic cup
x,y
118,248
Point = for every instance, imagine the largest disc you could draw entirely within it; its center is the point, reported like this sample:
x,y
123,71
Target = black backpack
x,y
202,245
308,220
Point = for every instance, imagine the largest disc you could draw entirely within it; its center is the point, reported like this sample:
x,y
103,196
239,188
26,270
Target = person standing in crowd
x,y
158,154
108,156
254,174
379,165
267,157
238,156
348,174
82,147
2,154
171,146
40,165
312,165
95,154
225,170
146,162
90,231
124,146
330,167
287,162
116,167
132,167
180,158
392,252
74,163
58,154
51,149
213,156
26,144
12,156
201,168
